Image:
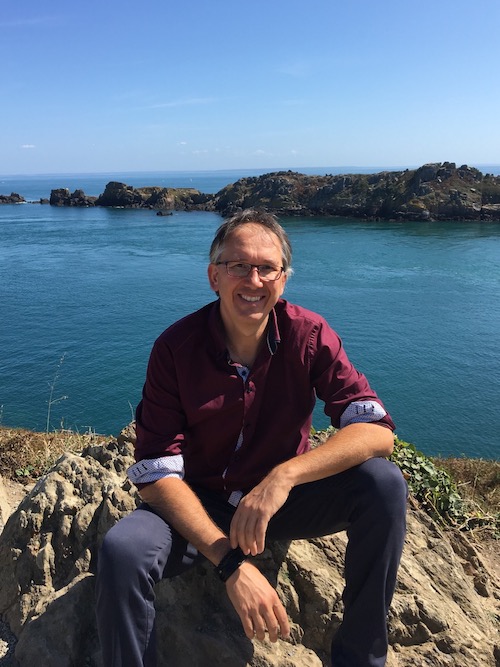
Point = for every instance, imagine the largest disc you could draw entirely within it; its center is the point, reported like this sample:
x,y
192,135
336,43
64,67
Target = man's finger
x,y
260,629
260,536
242,533
282,619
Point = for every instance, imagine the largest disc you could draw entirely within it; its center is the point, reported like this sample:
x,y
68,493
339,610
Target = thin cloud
x,y
27,146
26,23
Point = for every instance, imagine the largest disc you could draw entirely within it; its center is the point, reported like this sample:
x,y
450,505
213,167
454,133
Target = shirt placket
x,y
248,395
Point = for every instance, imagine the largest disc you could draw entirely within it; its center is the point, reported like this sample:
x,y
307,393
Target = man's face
x,y
247,302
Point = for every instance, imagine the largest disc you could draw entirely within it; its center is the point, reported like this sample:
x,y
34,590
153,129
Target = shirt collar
x,y
273,334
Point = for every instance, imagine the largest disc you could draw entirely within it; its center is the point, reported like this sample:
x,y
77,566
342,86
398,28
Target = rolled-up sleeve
x,y
151,470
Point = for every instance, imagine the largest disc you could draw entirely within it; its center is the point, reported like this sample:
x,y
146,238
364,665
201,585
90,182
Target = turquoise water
x,y
417,304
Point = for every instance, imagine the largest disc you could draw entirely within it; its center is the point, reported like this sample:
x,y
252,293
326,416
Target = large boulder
x,y
120,195
445,611
63,197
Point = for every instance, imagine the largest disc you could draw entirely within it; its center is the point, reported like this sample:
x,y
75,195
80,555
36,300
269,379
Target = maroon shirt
x,y
196,404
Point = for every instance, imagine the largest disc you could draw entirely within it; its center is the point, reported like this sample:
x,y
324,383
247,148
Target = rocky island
x,y
437,191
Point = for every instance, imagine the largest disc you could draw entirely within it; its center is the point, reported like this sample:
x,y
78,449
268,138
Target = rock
x,y
387,195
13,198
119,194
11,494
63,197
445,610
437,191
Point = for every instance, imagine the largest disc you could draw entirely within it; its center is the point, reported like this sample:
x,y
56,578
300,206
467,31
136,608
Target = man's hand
x,y
250,521
257,604
344,449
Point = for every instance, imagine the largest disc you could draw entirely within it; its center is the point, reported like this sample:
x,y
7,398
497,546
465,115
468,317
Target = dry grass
x,y
26,455
478,480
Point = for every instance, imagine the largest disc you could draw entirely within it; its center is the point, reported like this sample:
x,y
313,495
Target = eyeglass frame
x,y
280,270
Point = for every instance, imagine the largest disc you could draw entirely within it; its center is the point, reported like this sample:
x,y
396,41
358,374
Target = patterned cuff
x,y
362,411
150,470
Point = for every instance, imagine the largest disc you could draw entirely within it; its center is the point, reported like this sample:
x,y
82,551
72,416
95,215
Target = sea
x,y
84,292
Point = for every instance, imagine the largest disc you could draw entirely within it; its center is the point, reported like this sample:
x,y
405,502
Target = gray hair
x,y
254,216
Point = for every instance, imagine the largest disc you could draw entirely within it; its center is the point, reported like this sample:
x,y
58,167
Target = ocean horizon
x,y
33,187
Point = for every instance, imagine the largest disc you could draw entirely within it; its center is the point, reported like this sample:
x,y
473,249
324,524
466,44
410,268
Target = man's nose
x,y
254,275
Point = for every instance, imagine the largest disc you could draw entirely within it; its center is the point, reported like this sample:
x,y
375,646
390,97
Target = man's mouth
x,y
251,299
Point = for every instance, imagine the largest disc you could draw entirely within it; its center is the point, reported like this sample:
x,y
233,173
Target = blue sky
x,y
101,85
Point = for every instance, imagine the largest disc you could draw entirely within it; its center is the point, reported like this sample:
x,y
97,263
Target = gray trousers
x,y
369,501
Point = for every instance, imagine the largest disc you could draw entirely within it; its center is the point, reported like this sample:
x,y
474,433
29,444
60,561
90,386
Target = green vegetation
x,y
443,496
431,486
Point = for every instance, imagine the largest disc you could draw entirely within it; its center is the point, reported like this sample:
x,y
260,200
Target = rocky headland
x,y
445,613
438,191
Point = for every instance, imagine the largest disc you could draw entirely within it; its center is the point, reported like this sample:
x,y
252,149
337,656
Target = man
x,y
224,464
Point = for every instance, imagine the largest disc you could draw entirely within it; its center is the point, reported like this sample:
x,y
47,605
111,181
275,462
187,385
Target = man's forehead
x,y
249,231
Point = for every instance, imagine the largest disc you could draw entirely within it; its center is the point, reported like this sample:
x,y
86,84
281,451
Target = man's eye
x,y
267,270
239,265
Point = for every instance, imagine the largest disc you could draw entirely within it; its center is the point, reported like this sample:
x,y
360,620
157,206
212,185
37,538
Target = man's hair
x,y
254,216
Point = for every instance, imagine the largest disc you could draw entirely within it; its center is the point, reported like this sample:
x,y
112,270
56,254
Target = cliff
x,y
445,611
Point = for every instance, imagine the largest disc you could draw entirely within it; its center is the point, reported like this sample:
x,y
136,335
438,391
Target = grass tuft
x,y
26,455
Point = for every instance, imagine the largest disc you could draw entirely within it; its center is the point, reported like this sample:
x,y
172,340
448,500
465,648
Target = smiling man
x,y
224,462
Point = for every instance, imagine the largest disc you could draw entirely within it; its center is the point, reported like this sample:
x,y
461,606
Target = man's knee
x,y
118,551
132,543
384,485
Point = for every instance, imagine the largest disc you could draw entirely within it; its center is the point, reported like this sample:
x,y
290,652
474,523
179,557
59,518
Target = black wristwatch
x,y
230,563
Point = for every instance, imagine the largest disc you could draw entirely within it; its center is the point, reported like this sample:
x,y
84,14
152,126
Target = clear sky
x,y
157,85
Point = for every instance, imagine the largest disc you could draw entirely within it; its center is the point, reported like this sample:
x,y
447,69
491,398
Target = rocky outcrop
x,y
432,192
122,195
13,198
445,611
439,191
63,197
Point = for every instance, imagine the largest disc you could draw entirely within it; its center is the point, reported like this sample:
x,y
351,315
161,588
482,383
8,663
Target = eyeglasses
x,y
266,272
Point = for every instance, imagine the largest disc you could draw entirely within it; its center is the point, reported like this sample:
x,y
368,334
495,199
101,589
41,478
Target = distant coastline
x,y
436,191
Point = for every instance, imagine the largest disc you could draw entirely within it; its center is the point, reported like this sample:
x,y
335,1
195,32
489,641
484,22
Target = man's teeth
x,y
250,298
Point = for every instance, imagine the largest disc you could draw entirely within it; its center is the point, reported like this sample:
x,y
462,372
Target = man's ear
x,y
213,277
283,285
